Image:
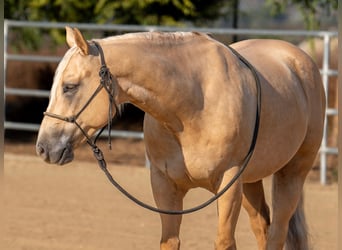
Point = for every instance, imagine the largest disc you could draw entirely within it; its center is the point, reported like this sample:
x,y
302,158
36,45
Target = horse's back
x,y
268,54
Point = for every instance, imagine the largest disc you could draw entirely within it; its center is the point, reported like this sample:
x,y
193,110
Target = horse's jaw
x,y
54,151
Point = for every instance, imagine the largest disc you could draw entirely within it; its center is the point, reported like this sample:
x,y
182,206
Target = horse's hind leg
x,y
259,214
288,222
167,197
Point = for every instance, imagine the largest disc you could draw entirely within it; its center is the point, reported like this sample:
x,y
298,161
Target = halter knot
x,y
104,72
98,153
71,119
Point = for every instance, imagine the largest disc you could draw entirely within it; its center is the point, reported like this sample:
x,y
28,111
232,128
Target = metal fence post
x,y
325,78
5,56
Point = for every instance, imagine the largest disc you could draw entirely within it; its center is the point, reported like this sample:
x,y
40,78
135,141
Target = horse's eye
x,y
69,88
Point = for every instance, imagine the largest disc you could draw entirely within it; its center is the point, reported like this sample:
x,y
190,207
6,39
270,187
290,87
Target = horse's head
x,y
75,81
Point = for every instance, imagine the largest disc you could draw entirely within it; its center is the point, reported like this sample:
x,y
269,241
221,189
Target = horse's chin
x,y
67,156
55,153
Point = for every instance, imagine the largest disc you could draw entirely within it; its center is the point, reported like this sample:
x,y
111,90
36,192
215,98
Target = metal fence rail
x,y
326,71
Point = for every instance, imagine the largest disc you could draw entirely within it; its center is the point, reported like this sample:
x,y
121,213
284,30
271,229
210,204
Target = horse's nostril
x,y
41,150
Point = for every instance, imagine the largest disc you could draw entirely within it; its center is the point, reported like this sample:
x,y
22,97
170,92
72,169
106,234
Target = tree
x,y
152,12
310,9
145,12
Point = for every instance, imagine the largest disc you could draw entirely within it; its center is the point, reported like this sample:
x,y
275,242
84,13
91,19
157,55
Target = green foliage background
x,y
310,9
144,12
156,12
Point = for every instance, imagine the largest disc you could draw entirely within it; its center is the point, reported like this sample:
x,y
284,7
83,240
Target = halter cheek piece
x,y
108,84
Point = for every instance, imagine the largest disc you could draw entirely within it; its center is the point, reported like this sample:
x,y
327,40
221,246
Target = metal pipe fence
x,y
326,71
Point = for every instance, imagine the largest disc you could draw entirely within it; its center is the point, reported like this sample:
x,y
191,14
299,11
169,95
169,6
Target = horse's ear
x,y
75,37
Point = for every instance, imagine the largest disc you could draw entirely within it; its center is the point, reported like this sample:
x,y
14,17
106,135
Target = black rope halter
x,y
108,83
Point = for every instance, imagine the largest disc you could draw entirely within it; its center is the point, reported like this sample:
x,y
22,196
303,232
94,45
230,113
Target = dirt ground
x,y
73,207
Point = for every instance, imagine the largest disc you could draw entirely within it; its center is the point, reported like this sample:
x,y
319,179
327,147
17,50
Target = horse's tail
x,y
297,236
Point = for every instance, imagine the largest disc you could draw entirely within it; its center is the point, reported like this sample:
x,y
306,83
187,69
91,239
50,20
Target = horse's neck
x,y
148,81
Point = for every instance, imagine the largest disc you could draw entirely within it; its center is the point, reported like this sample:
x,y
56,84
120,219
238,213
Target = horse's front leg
x,y
229,205
167,197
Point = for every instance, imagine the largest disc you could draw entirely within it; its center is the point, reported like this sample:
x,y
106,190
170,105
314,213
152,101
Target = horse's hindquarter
x,y
293,105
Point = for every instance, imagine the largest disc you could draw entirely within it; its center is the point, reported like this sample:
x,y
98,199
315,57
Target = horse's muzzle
x,y
55,154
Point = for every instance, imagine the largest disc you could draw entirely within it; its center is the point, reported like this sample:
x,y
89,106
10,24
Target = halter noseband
x,y
107,82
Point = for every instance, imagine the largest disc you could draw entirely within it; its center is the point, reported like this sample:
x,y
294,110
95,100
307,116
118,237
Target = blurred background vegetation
x,y
304,14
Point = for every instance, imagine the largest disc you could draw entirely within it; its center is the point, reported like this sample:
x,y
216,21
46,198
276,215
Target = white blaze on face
x,y
59,75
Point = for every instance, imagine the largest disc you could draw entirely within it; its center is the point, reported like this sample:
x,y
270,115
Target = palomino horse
x,y
200,103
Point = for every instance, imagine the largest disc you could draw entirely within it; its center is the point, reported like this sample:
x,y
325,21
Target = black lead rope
x,y
102,163
107,83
